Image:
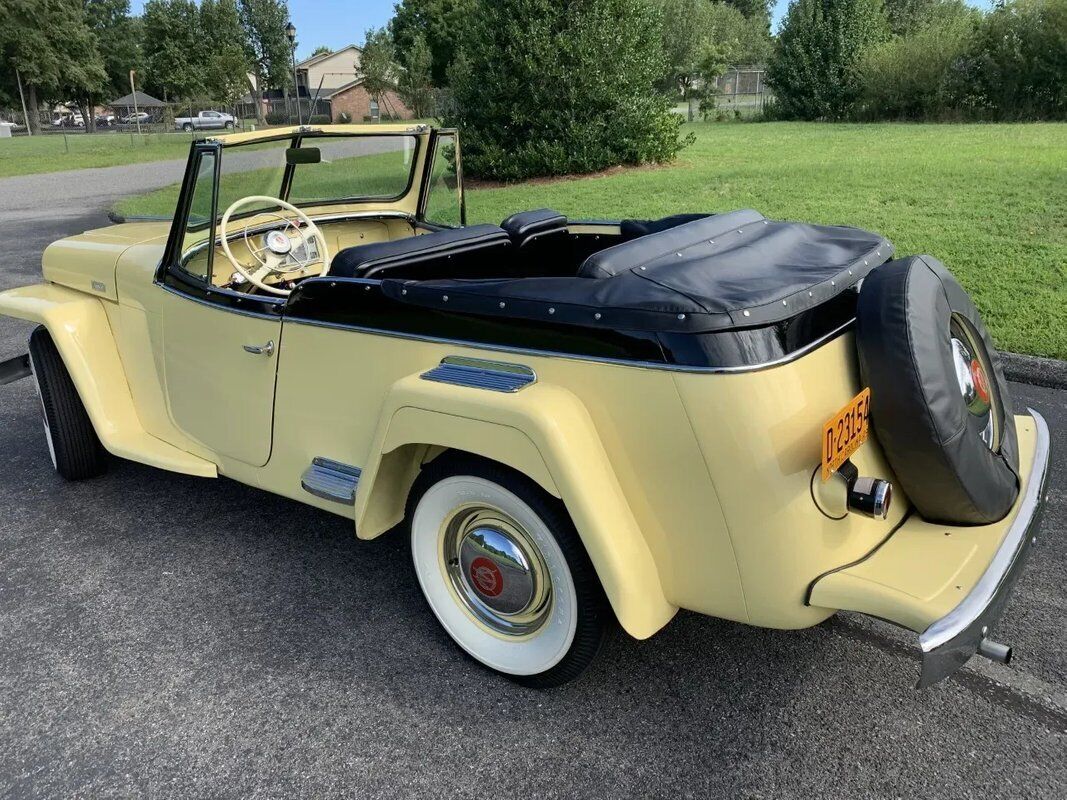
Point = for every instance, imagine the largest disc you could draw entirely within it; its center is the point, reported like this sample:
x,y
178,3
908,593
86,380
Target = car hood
x,y
87,262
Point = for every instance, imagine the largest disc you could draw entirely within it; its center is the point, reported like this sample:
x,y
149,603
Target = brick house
x,y
353,98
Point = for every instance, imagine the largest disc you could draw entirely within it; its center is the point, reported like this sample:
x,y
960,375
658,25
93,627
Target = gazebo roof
x,y
140,99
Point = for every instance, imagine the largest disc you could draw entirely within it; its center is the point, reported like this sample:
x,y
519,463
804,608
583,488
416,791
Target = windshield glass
x,y
350,168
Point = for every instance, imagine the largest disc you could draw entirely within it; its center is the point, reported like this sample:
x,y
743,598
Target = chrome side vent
x,y
331,480
477,373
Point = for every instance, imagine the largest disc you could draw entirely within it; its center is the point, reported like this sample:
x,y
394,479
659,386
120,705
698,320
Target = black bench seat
x,y
428,256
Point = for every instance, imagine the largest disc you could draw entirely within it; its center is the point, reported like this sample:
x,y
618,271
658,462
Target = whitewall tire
x,y
504,571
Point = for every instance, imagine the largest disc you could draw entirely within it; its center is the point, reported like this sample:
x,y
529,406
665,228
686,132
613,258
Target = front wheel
x,y
503,570
229,126
72,442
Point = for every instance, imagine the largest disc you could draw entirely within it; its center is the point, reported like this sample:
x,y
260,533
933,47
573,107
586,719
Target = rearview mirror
x,y
302,155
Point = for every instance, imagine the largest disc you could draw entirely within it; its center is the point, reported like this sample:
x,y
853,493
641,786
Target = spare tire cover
x,y
940,406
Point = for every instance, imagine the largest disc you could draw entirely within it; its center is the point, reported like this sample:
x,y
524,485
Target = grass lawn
x,y
28,155
990,201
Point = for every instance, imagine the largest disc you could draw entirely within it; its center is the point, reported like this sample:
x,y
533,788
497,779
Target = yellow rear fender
x,y
79,327
542,431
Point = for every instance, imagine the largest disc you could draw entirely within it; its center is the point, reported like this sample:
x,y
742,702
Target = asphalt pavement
x,y
162,635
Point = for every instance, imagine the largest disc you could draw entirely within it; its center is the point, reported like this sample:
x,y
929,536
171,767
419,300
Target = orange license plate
x,y
843,433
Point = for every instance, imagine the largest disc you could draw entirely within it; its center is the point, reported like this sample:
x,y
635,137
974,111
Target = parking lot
x,y
166,635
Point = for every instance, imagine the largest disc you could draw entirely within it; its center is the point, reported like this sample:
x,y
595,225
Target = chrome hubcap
x,y
973,384
496,571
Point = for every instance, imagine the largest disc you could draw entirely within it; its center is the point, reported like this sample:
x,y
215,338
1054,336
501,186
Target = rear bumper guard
x,y
948,643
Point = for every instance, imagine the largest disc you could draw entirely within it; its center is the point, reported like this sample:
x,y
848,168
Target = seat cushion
x,y
648,248
526,226
429,251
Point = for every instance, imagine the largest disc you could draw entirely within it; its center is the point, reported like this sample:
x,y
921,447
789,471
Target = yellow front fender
x,y
544,432
79,326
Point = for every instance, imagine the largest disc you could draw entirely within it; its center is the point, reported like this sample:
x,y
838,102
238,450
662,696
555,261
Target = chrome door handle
x,y
260,349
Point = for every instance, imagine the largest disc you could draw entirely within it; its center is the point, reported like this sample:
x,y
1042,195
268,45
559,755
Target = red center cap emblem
x,y
978,377
486,577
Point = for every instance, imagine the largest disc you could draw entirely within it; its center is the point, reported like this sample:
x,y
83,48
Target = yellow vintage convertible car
x,y
574,422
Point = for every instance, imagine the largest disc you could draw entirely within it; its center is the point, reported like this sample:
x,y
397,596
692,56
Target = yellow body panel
x,y
923,570
80,328
760,435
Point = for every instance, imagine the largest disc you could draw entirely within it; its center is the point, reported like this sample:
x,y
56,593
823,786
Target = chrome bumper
x,y
951,641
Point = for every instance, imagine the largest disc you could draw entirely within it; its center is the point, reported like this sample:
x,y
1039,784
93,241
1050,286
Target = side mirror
x,y
303,155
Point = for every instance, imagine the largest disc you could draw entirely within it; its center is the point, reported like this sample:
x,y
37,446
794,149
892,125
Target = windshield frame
x,y
175,250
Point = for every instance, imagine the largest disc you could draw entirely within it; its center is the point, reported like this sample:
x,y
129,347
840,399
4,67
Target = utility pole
x,y
25,116
133,94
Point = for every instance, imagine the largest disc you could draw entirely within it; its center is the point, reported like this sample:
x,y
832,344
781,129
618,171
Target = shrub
x,y
1016,66
906,77
814,69
344,118
320,119
551,88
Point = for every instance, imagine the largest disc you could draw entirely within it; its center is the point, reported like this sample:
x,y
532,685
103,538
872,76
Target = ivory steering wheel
x,y
277,251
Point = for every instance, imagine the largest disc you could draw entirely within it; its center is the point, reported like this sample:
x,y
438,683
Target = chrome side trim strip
x,y
622,362
331,480
954,638
15,369
479,373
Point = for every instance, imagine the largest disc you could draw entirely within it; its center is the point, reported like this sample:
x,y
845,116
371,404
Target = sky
x,y
335,23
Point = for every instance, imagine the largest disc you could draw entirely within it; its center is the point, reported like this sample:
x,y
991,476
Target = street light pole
x,y
290,32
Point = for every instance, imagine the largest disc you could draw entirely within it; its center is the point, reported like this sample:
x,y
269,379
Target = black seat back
x,y
527,227
477,251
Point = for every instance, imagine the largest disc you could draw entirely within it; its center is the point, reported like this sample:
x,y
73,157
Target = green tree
x,y
415,84
226,64
815,67
745,40
173,49
444,24
321,50
119,42
549,88
1016,64
759,10
378,67
54,50
907,76
266,46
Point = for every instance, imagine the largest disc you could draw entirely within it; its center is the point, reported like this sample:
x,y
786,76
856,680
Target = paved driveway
x,y
165,635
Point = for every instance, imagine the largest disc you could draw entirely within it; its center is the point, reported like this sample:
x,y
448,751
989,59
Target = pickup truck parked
x,y
205,120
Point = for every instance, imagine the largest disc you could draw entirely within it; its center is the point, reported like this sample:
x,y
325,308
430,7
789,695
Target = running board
x,y
15,369
331,480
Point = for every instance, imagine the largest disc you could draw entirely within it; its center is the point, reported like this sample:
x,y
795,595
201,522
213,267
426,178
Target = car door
x,y
220,348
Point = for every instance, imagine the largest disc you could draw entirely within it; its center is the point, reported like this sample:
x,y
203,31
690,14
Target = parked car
x,y
104,120
205,120
137,116
71,120
570,421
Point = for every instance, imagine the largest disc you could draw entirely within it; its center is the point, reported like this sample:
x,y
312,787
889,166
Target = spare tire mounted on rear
x,y
939,402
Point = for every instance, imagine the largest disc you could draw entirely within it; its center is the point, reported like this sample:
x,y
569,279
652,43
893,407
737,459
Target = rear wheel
x,y
72,442
505,573
187,127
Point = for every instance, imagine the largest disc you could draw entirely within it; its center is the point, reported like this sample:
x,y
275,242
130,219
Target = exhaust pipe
x,y
994,651
870,497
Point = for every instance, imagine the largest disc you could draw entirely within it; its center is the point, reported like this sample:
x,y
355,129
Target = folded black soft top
x,y
724,271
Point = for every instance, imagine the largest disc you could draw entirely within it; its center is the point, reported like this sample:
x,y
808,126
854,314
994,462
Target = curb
x,y
1037,371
